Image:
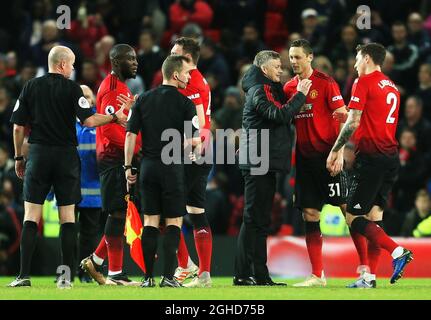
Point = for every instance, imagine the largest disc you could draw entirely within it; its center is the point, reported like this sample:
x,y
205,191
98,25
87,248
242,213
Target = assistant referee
x,y
162,185
49,106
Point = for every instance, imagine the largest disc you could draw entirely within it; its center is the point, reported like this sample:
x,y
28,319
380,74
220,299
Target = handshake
x,y
304,86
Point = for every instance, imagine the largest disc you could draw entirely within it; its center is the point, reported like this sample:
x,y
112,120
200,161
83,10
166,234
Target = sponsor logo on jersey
x,y
336,98
306,107
354,99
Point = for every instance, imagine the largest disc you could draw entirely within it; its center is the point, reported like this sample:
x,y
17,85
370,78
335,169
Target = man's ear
x,y
114,62
310,57
263,68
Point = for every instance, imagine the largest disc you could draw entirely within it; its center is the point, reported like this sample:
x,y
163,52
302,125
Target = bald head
x,y
58,54
60,60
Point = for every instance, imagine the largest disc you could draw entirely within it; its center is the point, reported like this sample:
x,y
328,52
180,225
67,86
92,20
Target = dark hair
x,y
119,50
148,32
376,51
90,61
304,44
399,23
171,64
408,130
191,47
422,193
418,100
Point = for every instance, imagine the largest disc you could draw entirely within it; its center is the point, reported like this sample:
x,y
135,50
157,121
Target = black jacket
x,y
264,109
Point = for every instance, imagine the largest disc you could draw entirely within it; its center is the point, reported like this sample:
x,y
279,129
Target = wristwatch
x,y
127,167
18,158
114,118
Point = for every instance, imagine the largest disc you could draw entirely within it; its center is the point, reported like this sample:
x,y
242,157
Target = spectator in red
x,y
87,30
183,11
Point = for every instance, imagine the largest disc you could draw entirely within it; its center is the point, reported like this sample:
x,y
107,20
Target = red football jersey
x,y
379,99
316,130
110,137
198,90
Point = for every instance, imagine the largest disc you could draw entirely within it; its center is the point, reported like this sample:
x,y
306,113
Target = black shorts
x,y
372,180
53,166
113,186
196,177
162,189
314,185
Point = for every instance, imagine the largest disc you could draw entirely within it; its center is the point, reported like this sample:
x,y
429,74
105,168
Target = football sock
x,y
28,243
114,230
101,251
374,233
360,243
183,253
170,247
203,241
68,238
150,237
313,239
374,253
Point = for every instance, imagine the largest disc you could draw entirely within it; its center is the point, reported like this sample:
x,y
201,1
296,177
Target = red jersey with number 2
x,y
379,99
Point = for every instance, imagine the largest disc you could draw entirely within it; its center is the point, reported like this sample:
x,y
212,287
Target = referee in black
x,y
162,185
49,106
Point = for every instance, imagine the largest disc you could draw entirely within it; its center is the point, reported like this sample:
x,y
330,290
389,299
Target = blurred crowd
x,y
231,32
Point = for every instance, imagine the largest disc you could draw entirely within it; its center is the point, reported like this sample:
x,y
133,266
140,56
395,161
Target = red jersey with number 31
x,y
379,99
198,90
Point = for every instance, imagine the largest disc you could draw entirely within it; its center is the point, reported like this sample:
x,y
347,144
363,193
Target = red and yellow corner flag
x,y
133,232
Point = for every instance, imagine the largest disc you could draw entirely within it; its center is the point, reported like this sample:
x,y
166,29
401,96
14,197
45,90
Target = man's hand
x,y
20,168
130,177
304,86
340,114
126,101
335,162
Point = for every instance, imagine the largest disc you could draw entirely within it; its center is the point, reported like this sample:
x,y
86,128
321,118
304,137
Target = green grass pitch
x,y
44,288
